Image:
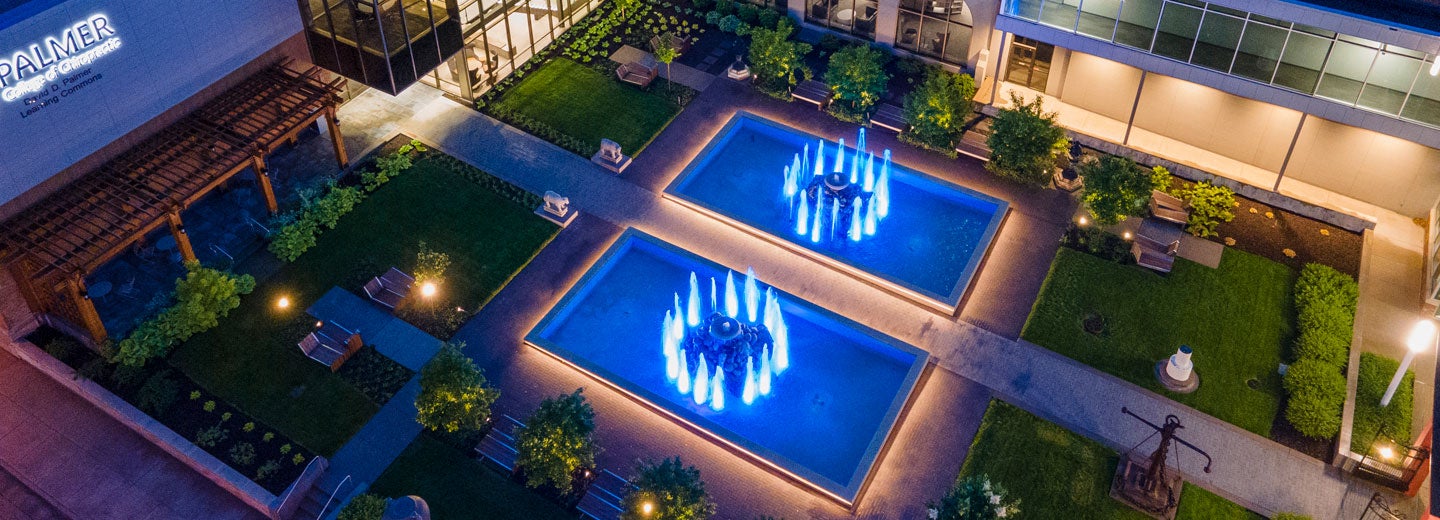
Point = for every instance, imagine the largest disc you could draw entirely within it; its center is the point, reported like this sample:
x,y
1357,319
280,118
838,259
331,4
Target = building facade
x,y
1332,106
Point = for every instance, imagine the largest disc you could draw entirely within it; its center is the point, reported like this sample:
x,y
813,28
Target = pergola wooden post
x,y
88,315
335,138
266,189
182,240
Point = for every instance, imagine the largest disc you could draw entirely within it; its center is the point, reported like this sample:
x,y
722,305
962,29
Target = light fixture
x,y
647,508
1435,67
1128,235
1386,452
282,303
1084,220
428,289
1422,336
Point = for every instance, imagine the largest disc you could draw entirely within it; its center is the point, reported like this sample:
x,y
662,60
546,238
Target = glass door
x,y
1029,63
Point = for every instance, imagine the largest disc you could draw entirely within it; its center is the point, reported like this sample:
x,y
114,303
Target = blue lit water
x,y
827,416
931,243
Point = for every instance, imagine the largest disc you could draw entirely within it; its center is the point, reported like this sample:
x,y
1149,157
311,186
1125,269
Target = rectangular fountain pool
x,y
927,248
827,415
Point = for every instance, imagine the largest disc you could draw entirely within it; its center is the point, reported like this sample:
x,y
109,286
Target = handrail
x,y
291,491
332,497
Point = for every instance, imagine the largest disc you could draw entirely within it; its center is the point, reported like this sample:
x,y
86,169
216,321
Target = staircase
x,y
323,500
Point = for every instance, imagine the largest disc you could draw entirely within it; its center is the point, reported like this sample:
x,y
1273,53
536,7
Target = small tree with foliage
x,y
775,59
1026,145
363,507
1209,206
937,110
857,75
556,442
430,265
668,490
453,395
202,297
1115,188
975,498
665,52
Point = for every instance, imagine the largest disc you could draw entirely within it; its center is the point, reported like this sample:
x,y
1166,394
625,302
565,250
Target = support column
x,y
182,240
999,66
1134,107
335,138
1286,164
262,175
89,317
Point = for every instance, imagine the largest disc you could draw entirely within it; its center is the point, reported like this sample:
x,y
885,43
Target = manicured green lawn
x,y
1375,374
1238,318
251,359
1058,474
588,105
457,487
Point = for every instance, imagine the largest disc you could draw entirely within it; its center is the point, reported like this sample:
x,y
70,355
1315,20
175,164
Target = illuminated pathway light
x,y
737,347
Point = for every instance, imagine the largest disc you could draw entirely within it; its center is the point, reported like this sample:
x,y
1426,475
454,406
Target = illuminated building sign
x,y
57,65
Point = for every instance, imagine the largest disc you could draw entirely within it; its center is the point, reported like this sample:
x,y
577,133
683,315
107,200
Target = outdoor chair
x,y
330,345
890,117
389,289
636,73
1167,207
1153,254
681,45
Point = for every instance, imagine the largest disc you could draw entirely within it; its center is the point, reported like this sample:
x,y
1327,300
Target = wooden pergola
x,y
51,246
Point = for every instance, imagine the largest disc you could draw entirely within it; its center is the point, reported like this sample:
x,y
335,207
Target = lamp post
x,y
1421,338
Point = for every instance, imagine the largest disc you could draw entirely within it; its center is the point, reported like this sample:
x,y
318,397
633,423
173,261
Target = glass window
x,y
940,29
1137,23
957,44
908,37
1061,13
1345,72
1259,52
1388,82
1272,21
1097,18
1219,35
1300,65
1423,105
1027,9
1178,26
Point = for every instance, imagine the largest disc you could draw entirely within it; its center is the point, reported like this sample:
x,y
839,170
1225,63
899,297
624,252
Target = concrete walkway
x,y
61,457
684,74
392,336
366,455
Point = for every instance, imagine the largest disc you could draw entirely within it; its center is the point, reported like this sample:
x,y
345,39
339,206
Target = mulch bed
x,y
1290,239
1282,432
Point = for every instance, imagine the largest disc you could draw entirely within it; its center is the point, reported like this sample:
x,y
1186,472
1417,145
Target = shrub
x,y
202,297
453,395
298,459
363,507
1290,516
335,204
226,416
194,394
293,239
430,265
1115,189
210,437
713,17
775,59
243,453
1322,283
748,13
725,7
286,448
1322,344
769,18
857,75
1160,179
975,498
673,489
376,376
63,349
248,427
1098,242
267,470
1026,145
1209,206
269,436
1317,393
209,406
703,5
730,23
937,110
159,394
556,442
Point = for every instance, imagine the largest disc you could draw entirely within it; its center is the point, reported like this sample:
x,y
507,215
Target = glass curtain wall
x,y
939,29
501,35
854,17
385,44
1362,73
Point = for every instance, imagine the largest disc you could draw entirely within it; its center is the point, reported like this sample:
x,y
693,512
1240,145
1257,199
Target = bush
x,y
975,498
159,394
64,349
1098,242
1290,516
769,18
1322,344
748,13
556,442
430,265
713,17
293,239
702,5
335,204
1026,145
202,297
1209,206
267,470
210,437
673,490
775,59
857,75
1115,189
243,453
1322,283
1317,393
730,23
363,507
453,395
937,111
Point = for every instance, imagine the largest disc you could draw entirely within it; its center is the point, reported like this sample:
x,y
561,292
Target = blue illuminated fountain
x,y
857,201
723,348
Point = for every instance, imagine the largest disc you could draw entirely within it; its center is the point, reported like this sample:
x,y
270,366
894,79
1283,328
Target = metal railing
x,y
331,500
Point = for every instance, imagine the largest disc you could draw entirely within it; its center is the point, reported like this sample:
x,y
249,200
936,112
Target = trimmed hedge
x,y
1325,319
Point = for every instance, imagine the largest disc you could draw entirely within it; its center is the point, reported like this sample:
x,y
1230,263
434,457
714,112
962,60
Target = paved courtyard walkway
x,y
61,457
1255,472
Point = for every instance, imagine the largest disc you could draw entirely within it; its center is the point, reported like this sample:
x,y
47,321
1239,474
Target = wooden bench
x,y
602,501
814,92
498,446
1168,207
389,289
890,117
636,73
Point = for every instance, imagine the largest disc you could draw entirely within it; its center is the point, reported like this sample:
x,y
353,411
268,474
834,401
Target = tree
x,y
453,395
667,490
556,443
775,59
665,52
857,75
937,110
1115,188
1025,143
430,265
975,498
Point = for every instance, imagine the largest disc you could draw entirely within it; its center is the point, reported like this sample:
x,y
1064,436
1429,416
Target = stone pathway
x,y
392,336
684,74
1255,472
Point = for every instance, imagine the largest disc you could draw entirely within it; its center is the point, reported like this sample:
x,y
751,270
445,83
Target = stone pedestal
x,y
738,71
557,209
609,156
1131,487
1177,374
